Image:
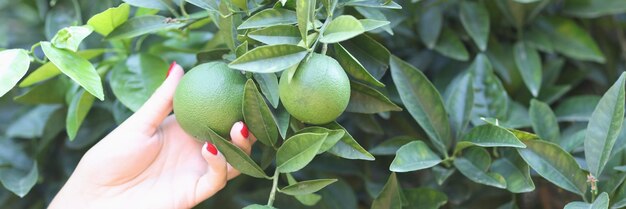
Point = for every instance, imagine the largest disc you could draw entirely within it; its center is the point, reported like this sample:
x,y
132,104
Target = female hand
x,y
150,162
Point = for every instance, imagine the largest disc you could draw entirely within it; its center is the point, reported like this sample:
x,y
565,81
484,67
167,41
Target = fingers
x,y
240,137
216,177
148,118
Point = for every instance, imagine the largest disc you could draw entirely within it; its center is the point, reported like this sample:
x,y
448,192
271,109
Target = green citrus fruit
x,y
209,96
318,92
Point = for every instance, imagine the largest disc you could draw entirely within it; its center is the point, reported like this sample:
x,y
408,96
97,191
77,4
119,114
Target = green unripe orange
x,y
318,92
209,96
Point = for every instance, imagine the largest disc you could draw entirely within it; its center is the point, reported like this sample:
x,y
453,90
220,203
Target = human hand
x,y
150,162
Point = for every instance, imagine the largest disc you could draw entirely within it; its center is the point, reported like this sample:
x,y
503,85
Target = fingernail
x,y
244,130
171,67
211,148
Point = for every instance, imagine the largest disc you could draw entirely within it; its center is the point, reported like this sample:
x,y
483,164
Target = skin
x,y
150,162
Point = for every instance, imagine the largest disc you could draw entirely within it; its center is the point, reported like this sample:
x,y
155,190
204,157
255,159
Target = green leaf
x,y
49,70
475,19
577,108
77,111
423,102
306,187
370,24
528,63
593,9
75,67
134,81
142,25
227,23
270,58
425,198
342,28
298,151
489,135
515,171
451,46
602,202
241,49
49,92
333,136
14,65
555,165
365,99
236,157
490,97
430,25
105,22
347,147
308,199
386,4
571,40
353,67
544,121
414,156
375,14
279,34
160,5
604,127
474,164
390,197
70,37
391,146
538,40
269,87
372,55
459,102
257,115
210,5
19,182
269,17
31,124
305,10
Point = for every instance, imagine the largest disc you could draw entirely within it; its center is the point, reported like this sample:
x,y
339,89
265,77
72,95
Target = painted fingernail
x,y
244,130
211,148
171,67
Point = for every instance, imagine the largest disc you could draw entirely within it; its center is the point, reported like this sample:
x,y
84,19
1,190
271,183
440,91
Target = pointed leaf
x,y
592,9
489,135
49,92
14,65
423,102
604,127
515,171
528,63
306,187
49,70
279,34
70,37
269,58
391,146
269,17
142,25
490,97
370,24
475,19
450,45
258,116
602,202
577,108
342,28
544,122
390,197
429,26
353,67
425,198
269,86
77,111
298,151
474,164
571,40
75,67
305,10
333,136
459,103
105,22
364,99
414,156
372,55
19,182
347,147
236,157
555,165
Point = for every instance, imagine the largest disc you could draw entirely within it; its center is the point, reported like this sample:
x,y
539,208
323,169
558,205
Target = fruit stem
x,y
270,201
324,48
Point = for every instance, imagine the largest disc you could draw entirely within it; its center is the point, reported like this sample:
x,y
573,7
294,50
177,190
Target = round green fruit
x,y
209,96
318,92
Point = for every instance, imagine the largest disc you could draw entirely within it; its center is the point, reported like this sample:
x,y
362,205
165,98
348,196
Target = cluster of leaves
x,y
478,120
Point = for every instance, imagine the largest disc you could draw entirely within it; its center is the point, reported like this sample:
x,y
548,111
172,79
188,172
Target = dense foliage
x,y
454,103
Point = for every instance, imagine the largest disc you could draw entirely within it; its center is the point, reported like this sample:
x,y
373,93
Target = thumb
x,y
148,118
215,179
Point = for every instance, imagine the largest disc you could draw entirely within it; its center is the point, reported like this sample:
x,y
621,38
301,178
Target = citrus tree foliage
x,y
454,104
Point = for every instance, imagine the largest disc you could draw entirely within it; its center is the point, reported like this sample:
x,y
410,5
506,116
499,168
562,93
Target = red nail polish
x,y
170,70
244,130
211,148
